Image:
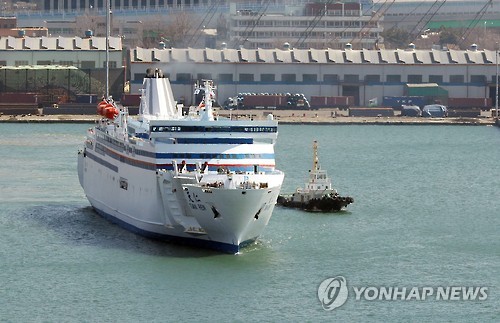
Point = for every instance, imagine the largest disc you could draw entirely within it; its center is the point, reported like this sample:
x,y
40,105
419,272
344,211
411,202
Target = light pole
x,y
108,32
496,81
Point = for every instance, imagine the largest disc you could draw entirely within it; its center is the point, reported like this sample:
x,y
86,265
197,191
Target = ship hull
x,y
170,238
159,205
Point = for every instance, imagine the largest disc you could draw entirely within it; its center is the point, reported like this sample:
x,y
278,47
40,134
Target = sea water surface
x,y
426,214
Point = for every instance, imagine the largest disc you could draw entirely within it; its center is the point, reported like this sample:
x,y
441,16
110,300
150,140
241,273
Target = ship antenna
x,y
208,99
315,155
108,18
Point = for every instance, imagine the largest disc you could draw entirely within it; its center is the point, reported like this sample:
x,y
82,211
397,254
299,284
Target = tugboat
x,y
318,194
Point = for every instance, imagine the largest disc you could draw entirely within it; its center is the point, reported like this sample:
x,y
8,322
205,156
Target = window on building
x,y
288,78
374,78
267,77
3,63
43,62
415,79
225,78
183,78
457,79
246,77
393,78
351,78
478,79
87,64
204,76
330,78
436,79
66,63
139,76
20,63
310,78
111,64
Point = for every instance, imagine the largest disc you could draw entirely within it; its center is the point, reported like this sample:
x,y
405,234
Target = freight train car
x,y
470,103
343,102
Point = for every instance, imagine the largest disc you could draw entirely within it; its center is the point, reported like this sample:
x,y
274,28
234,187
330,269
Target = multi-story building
x,y
131,31
8,27
315,25
82,5
416,15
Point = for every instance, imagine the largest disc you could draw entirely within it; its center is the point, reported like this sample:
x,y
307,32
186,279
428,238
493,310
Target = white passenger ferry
x,y
192,178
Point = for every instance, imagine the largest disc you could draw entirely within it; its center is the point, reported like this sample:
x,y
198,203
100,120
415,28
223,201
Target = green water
x,y
426,213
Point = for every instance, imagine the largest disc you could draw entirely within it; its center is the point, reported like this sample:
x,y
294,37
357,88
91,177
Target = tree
x,y
396,38
178,32
175,31
448,36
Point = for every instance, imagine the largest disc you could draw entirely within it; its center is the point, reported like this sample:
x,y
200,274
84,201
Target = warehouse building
x,y
367,75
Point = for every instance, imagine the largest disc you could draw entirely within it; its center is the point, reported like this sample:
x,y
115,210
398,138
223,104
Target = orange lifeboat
x,y
101,106
107,110
110,111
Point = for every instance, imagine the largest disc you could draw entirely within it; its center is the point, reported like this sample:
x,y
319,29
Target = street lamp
x,y
496,81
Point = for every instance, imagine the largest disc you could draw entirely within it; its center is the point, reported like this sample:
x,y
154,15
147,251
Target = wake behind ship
x,y
194,179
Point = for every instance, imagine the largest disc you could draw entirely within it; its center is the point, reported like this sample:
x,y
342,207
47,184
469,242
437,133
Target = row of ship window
x,y
213,129
100,149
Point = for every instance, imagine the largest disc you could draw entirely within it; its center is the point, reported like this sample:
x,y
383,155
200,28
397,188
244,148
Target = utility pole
x,y
496,81
108,22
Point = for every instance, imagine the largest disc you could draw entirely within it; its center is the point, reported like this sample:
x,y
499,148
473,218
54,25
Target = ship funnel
x,y
157,97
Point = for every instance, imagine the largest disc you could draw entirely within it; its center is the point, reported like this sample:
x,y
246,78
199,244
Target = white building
x,y
365,74
80,52
313,25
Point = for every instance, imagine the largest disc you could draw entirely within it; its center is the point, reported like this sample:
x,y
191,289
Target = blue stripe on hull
x,y
219,246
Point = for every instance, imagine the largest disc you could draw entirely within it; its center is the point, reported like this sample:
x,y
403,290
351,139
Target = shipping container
x,y
425,89
14,97
467,103
86,98
266,101
130,100
396,102
331,101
